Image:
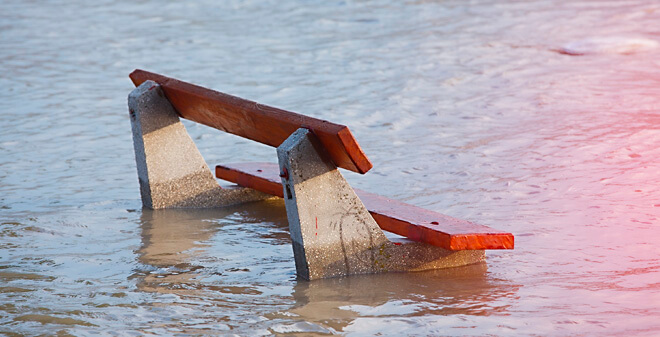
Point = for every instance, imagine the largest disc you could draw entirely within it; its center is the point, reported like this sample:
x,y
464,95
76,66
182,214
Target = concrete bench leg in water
x,y
171,171
332,232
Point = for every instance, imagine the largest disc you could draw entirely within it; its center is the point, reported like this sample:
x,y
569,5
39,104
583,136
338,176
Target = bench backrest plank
x,y
251,120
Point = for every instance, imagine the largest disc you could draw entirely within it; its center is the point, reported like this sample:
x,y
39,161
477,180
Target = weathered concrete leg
x,y
171,170
332,232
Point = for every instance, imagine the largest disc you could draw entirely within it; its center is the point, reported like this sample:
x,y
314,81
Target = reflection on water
x,y
338,304
467,108
174,240
170,240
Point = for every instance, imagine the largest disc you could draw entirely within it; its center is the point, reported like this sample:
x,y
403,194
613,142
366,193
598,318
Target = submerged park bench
x,y
335,230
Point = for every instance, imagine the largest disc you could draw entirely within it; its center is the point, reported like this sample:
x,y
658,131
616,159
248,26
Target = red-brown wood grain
x,y
261,123
394,216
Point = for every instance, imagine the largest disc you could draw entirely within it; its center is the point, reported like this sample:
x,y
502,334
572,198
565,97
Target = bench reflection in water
x,y
236,258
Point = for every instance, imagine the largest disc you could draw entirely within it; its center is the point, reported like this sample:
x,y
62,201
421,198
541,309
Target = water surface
x,y
469,108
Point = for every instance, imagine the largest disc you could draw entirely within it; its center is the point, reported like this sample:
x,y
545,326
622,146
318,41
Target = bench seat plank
x,y
251,120
394,216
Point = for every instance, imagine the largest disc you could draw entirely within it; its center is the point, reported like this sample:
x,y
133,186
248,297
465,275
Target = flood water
x,y
476,109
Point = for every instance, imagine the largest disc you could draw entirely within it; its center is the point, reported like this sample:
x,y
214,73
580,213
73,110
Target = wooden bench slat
x,y
394,216
261,123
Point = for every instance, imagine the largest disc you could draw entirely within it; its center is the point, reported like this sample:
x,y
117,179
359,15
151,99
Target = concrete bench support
x,y
333,233
171,171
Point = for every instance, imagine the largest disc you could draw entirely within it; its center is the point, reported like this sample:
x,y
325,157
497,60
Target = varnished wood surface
x,y
261,123
394,216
